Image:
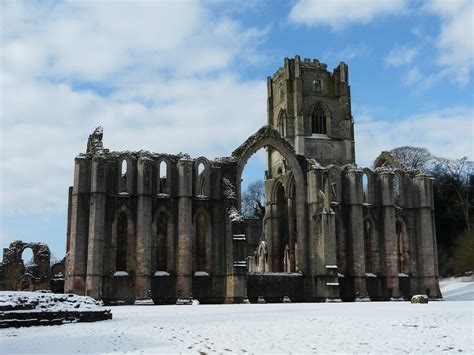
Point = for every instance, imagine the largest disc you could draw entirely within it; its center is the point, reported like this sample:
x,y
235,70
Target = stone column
x,y
291,234
184,280
390,239
426,237
76,260
354,198
144,230
95,254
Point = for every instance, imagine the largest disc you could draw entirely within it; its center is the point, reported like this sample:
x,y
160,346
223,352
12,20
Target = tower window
x,y
317,85
318,120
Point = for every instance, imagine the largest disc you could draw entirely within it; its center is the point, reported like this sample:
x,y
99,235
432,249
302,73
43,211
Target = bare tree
x,y
412,157
458,173
253,200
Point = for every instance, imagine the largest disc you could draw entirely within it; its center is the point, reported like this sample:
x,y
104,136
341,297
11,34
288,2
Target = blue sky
x,y
191,76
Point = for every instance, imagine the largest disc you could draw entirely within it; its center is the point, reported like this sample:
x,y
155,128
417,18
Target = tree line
x,y
454,202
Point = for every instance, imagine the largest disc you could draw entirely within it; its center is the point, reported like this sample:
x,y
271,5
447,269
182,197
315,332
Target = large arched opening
x,y
278,218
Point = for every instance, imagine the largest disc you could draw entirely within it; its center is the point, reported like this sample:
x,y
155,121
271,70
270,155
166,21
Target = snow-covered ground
x,y
376,327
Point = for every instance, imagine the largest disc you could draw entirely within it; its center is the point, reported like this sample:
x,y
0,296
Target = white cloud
x,y
401,55
456,39
339,14
413,76
446,133
157,76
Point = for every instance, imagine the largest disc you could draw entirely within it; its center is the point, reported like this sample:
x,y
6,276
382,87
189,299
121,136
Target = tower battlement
x,y
310,106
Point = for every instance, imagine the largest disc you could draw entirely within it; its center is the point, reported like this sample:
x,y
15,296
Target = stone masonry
x,y
168,226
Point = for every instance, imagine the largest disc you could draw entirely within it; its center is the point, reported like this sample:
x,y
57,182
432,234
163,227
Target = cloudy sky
x,y
172,76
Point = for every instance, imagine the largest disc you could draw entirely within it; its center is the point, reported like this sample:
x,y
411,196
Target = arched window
x,y
202,178
282,123
318,120
163,178
124,168
122,242
365,186
161,241
27,256
123,176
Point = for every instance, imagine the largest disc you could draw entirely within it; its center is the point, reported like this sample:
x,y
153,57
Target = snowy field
x,y
377,327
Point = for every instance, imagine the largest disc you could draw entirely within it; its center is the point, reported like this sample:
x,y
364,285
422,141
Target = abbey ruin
x,y
144,224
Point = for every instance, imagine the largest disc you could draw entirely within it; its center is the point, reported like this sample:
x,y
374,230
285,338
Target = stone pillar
x,y
389,234
353,199
76,260
144,227
426,237
298,109
95,253
291,233
184,270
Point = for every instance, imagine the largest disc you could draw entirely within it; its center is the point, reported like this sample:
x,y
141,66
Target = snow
x,y
235,215
201,273
120,273
458,289
162,273
369,274
357,327
47,302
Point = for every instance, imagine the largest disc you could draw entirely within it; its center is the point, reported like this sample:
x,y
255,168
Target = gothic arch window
x,y
318,120
282,123
163,177
202,177
123,175
122,242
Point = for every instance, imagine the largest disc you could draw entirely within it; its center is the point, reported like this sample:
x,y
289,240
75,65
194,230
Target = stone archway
x,y
267,136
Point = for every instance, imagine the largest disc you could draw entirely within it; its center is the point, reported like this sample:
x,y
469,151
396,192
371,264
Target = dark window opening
x,y
318,120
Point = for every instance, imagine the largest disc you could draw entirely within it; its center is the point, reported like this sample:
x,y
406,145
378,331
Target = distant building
x,y
169,226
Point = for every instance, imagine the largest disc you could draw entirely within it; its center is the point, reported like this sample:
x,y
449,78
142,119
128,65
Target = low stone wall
x,y
25,309
118,290
275,286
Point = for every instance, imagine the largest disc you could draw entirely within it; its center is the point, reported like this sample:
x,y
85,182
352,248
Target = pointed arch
x,y
163,175
202,177
269,137
282,123
125,173
320,118
368,185
123,249
163,241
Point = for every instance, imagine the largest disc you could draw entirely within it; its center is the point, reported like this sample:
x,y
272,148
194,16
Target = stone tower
x,y
311,107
